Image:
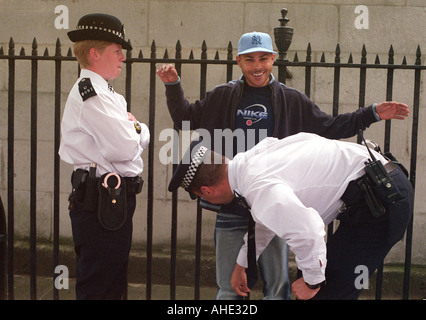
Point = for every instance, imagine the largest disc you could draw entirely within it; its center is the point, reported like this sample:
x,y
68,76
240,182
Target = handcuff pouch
x,y
112,202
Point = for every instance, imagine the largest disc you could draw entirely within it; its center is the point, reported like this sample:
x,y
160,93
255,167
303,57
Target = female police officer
x,y
104,143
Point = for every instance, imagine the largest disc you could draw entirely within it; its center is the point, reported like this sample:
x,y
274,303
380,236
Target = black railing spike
x,y
1,51
337,52
204,50
391,55
140,56
308,53
418,56
309,49
230,48
404,61
296,57
153,49
11,43
216,57
166,54
22,52
58,48
322,57
377,61
350,60
46,52
69,53
191,55
34,44
230,55
363,54
178,53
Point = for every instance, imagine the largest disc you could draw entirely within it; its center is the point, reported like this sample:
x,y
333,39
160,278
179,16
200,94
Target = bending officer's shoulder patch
x,y
86,89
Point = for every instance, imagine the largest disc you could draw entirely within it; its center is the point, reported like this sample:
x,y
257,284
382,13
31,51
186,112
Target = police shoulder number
x,y
86,89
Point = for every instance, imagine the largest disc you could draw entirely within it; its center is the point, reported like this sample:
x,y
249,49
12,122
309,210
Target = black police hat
x,y
100,26
188,167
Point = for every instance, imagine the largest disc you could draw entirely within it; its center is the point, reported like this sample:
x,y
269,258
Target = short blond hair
x,y
82,48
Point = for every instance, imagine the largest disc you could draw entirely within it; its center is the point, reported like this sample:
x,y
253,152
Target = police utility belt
x,y
376,186
107,195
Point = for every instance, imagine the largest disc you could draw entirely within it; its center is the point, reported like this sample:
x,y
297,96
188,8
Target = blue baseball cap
x,y
255,42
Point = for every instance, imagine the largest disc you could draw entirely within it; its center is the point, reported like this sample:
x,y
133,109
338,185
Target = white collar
x,y
94,77
231,176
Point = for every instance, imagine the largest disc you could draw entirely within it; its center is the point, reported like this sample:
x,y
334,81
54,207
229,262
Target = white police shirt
x,y
95,129
293,187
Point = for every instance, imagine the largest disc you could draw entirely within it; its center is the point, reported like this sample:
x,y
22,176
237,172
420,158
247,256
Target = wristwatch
x,y
315,286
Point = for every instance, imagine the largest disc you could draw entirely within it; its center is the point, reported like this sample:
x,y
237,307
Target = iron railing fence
x,y
7,219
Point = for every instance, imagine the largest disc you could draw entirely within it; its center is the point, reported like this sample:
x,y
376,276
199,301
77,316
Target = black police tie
x,y
251,244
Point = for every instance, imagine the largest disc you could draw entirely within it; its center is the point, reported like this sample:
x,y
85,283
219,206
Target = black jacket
x,y
294,111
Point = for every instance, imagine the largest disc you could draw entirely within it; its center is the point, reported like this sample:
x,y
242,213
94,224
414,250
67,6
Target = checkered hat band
x,y
121,35
192,170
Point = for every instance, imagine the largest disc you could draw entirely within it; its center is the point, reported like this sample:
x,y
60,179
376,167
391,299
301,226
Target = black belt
x,y
133,184
85,189
80,177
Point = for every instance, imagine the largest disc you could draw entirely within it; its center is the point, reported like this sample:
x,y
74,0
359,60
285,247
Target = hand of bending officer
x,y
302,291
168,73
392,110
239,280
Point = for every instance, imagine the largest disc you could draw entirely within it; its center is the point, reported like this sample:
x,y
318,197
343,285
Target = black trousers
x,y
362,241
102,255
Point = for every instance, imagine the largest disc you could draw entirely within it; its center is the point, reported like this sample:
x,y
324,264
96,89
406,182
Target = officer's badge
x,y
138,128
86,89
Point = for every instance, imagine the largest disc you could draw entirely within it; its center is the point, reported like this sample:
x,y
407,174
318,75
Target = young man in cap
x,y
295,187
104,144
260,106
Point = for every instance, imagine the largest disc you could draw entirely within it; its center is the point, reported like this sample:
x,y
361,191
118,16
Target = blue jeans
x,y
273,262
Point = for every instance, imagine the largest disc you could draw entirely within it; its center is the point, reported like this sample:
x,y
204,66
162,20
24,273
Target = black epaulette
x,y
86,89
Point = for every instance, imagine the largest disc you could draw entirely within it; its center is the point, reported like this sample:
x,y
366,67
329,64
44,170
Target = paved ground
x,y
185,270
137,291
